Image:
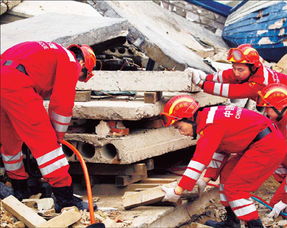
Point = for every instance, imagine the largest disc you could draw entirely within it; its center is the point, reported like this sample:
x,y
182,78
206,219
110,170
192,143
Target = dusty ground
x,y
216,211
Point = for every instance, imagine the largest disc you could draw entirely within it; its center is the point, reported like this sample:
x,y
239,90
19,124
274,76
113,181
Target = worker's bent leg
x,y
254,167
11,149
224,174
31,121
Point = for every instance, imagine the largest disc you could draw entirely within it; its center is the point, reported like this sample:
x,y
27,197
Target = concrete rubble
x,y
142,50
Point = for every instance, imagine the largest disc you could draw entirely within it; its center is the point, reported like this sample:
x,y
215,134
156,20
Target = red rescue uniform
x,y
31,72
225,84
281,173
258,146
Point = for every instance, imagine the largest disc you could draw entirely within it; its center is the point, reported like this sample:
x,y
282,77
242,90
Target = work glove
x,y
278,207
170,195
201,186
197,76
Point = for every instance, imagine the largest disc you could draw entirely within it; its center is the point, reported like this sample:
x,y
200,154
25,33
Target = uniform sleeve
x,y
63,95
224,76
208,143
233,91
215,166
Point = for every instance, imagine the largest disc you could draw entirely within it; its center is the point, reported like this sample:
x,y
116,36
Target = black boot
x,y
65,198
255,224
231,220
21,190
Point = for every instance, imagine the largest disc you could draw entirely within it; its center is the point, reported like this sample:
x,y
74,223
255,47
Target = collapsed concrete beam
x,y
131,109
116,110
172,81
63,29
128,149
168,39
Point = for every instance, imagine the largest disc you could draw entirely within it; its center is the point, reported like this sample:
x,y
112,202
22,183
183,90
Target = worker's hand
x,y
201,185
170,195
278,207
197,76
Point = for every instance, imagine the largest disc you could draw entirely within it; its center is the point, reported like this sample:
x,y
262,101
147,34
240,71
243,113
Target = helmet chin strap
x,y
280,114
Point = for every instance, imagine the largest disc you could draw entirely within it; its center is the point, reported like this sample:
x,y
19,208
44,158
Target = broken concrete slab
x,y
135,109
33,8
63,29
22,212
159,32
122,150
176,81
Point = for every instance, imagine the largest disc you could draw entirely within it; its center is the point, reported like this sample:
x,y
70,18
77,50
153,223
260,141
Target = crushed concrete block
x,y
63,29
33,8
159,32
122,150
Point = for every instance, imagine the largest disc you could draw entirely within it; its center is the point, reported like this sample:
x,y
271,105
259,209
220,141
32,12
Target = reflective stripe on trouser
x,y
222,196
253,168
32,124
11,149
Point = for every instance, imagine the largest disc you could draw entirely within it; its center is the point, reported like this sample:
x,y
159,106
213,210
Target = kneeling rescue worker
x,y
258,146
30,72
274,99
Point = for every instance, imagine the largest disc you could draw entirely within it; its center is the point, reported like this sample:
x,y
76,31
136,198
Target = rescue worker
x,y
30,72
258,148
247,76
274,99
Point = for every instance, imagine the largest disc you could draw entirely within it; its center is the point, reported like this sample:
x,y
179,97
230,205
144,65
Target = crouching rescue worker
x,y
257,145
274,99
30,72
247,76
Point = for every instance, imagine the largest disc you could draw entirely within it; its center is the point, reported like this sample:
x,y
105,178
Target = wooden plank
x,y
65,219
158,180
82,96
145,197
23,213
152,97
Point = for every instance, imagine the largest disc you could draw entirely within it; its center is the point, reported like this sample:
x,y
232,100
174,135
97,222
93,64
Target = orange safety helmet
x,y
178,108
273,95
244,53
89,58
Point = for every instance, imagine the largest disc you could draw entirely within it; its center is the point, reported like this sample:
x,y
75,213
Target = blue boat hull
x,y
264,29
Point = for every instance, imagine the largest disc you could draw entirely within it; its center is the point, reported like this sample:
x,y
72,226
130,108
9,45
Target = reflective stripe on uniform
x,y
12,162
211,114
222,197
218,156
214,164
13,166
221,194
225,90
216,89
245,210
50,156
61,118
240,202
54,166
191,174
281,170
59,127
196,165
8,158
